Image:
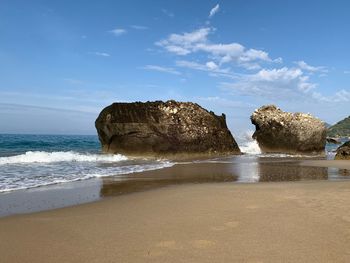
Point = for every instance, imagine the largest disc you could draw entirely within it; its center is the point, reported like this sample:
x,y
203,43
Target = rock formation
x,y
283,132
163,128
343,152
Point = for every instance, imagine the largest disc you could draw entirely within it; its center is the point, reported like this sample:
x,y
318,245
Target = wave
x,y
55,157
250,147
247,144
120,171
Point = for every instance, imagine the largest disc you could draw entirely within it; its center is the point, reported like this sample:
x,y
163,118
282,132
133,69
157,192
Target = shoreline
x,y
266,222
229,170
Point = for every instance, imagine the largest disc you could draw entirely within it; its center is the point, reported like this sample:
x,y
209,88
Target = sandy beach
x,y
211,222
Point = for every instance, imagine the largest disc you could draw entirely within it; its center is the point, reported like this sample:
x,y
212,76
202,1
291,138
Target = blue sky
x,y
61,62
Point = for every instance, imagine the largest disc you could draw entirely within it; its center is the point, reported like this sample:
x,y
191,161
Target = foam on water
x,y
250,147
30,175
247,144
55,157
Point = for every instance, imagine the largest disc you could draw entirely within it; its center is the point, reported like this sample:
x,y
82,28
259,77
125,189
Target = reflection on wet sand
x,y
277,172
178,174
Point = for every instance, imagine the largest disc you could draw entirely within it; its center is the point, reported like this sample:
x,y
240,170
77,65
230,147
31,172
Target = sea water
x,y
28,161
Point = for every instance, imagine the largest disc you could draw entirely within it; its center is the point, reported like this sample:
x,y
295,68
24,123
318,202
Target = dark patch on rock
x,y
283,132
163,128
333,140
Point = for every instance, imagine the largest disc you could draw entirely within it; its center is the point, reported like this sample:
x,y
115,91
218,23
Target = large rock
x,y
279,131
343,152
163,128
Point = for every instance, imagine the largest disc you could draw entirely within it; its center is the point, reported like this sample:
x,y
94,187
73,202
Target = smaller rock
x,y
277,131
343,152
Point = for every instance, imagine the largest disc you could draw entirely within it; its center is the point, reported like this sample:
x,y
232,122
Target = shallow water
x,y
48,171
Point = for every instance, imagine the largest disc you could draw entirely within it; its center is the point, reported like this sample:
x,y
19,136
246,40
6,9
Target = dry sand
x,y
222,222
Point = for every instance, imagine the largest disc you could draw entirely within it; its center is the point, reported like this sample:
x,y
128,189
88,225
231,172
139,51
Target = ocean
x,y
29,161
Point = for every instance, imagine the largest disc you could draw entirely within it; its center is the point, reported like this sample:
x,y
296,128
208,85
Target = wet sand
x,y
340,164
265,222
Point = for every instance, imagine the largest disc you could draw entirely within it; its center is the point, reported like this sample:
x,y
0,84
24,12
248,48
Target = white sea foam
x,y
248,145
55,157
57,173
251,147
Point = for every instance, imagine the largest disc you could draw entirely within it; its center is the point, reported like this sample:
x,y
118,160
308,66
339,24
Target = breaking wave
x,y
247,144
55,157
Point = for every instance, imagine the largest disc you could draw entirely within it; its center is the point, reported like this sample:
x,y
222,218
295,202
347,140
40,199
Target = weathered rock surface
x,y
163,128
279,131
343,152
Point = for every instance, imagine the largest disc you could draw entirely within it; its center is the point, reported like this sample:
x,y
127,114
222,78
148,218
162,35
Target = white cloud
x,y
183,44
186,39
118,31
138,27
214,10
233,60
286,83
162,69
197,41
101,54
346,71
304,66
211,65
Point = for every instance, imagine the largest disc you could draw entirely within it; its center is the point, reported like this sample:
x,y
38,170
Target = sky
x,y
62,62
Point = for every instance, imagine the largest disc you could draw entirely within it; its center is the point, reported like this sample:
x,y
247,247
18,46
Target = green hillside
x,y
340,129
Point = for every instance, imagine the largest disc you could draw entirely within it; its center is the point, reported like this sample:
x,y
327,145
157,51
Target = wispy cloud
x,y
73,81
28,107
209,66
304,66
338,97
223,102
118,31
138,27
101,54
167,13
346,71
214,10
162,69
